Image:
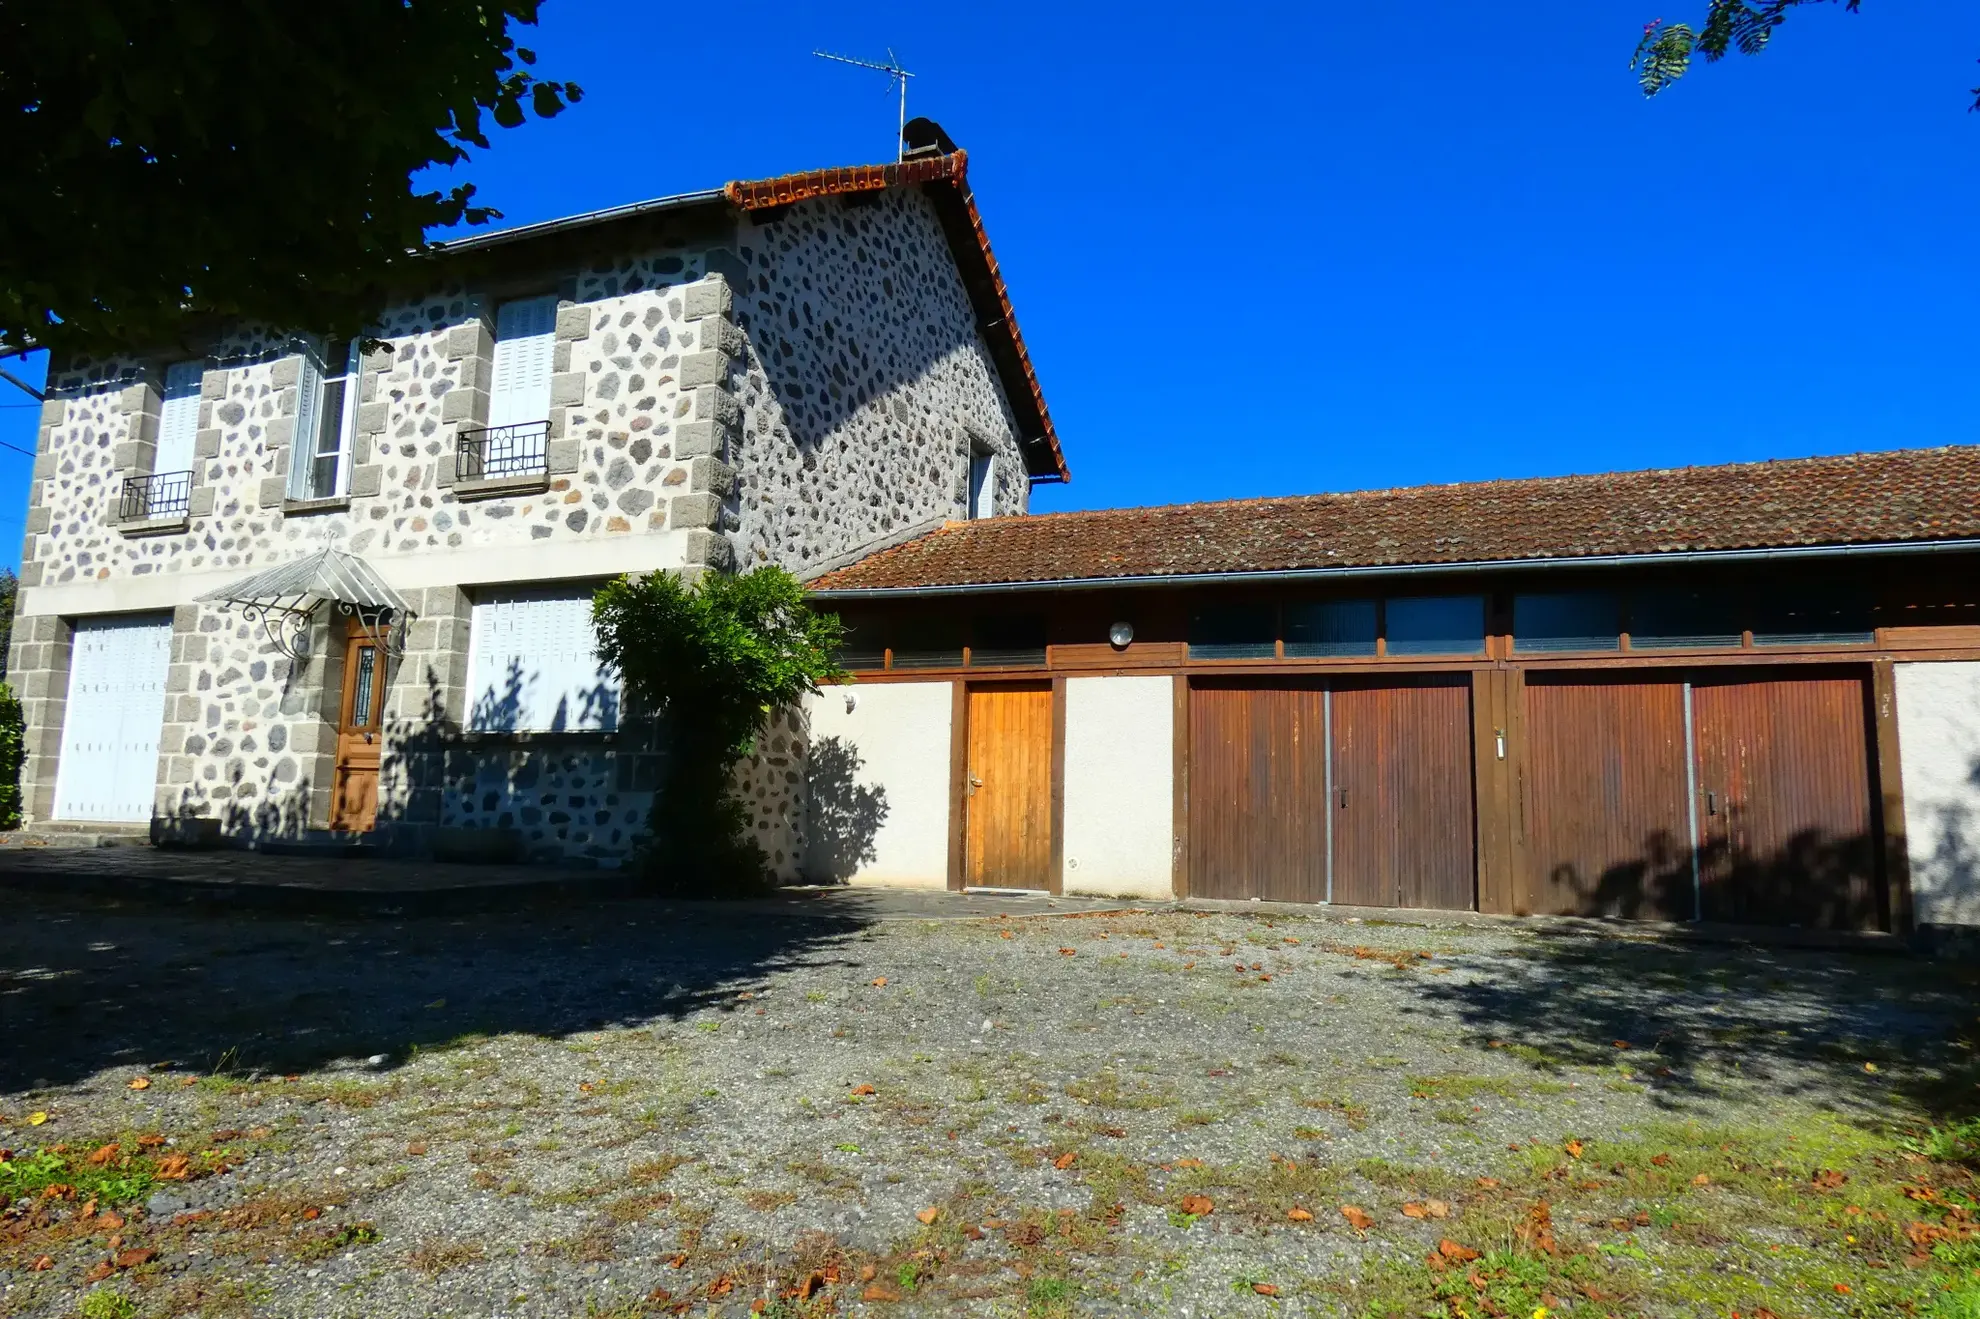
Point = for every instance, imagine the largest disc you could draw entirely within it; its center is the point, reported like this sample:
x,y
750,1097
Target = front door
x,y
1007,798
354,799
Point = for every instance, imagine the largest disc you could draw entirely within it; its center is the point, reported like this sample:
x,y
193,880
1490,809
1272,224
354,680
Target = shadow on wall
x,y
248,992
843,817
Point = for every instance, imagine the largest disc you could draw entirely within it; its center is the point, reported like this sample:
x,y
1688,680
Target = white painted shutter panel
x,y
108,769
309,419
178,421
534,664
525,344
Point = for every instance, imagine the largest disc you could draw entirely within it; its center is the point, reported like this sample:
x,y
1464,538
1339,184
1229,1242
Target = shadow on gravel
x,y
1802,1022
87,985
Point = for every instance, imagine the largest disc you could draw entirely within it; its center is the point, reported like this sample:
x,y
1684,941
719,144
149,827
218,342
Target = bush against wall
x,y
712,661
10,758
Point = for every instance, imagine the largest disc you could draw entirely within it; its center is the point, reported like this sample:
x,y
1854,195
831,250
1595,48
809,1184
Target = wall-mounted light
x,y
1120,634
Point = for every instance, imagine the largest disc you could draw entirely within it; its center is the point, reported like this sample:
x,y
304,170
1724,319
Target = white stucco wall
x,y
1939,748
1120,754
877,784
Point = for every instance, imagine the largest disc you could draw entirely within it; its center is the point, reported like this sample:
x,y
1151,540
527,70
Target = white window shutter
x,y
533,661
309,418
178,420
525,347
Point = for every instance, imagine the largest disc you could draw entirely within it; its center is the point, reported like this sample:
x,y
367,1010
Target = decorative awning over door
x,y
287,598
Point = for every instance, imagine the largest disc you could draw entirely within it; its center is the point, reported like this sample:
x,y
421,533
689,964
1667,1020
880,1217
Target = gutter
x,y
475,242
1874,549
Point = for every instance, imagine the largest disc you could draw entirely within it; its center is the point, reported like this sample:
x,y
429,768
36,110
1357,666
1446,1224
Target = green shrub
x,y
712,661
10,758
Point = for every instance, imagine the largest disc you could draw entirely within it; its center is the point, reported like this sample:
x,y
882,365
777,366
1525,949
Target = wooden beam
x,y
958,784
1179,781
1058,871
1895,845
1496,863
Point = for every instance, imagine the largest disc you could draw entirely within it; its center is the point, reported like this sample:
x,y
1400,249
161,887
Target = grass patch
x,y
434,1258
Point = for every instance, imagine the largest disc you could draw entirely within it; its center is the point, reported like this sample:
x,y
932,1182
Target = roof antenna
x,y
895,74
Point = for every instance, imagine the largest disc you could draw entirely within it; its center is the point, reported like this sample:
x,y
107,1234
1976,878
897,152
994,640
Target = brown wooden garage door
x,y
1282,776
1736,797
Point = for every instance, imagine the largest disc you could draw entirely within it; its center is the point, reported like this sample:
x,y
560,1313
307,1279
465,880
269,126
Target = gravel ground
x,y
633,1109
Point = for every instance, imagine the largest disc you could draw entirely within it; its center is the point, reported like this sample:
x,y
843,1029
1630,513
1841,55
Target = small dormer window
x,y
983,485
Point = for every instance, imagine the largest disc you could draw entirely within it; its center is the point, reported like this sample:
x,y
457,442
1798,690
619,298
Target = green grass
x,y
1958,1143
106,1304
118,1181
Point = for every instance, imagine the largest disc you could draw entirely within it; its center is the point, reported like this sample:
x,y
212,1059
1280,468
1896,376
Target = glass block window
x,y
1436,625
1233,632
1332,627
1569,620
1680,620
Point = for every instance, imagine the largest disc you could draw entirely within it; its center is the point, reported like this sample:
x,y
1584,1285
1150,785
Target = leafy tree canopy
x,y
169,162
1665,51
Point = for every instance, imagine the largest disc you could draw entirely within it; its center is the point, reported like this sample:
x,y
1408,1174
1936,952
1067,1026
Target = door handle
x,y
1343,798
974,784
1711,804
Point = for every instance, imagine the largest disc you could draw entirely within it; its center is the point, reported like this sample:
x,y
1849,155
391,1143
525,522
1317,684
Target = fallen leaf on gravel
x,y
1488,1183
1661,1160
1264,1289
1357,1217
416,1148
866,1272
36,1119
1622,1044
1574,1148
809,1287
1869,1067
1197,1205
102,1154
1452,1251
879,982
1437,1208
1188,1163
1299,1215
1115,1132
1069,952
130,1259
1536,1233
864,1090
174,1168
1004,934
722,1286
311,1214
1701,1180
659,1296
879,1291
1828,1179
41,1264
1415,1210
109,1221
1066,1160
929,1214
100,1272
140,1083
677,1261
1842,1289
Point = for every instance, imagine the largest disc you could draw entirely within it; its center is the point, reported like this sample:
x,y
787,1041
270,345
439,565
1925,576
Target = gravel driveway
x,y
631,1109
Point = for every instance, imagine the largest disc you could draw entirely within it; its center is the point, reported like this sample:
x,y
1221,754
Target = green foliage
x,y
713,661
115,1182
103,1303
174,162
1664,53
11,754
1957,1143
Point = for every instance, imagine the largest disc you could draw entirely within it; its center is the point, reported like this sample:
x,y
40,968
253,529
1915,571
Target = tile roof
x,y
1906,495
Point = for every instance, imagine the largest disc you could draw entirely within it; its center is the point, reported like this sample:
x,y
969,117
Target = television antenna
x,y
896,75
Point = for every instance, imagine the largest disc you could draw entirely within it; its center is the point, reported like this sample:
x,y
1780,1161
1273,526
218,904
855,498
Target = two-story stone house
x,y
274,585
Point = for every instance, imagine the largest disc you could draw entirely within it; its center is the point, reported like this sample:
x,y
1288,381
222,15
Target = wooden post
x,y
1179,781
1896,846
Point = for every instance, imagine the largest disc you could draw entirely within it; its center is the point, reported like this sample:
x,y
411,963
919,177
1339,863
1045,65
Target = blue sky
x,y
1326,247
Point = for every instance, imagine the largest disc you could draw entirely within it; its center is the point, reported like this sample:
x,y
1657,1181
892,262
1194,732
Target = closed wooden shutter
x,y
178,420
533,664
1258,792
525,342
309,420
108,769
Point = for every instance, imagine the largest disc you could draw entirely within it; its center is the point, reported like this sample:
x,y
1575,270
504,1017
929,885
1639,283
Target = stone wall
x,y
864,384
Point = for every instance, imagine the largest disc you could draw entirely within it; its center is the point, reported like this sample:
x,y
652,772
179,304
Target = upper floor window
x,y
1435,625
983,485
533,664
1567,620
326,421
178,418
525,340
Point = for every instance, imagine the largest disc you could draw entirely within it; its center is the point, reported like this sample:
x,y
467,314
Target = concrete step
x,y
77,833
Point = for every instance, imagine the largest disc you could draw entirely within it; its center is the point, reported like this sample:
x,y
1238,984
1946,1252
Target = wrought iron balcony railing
x,y
159,495
495,452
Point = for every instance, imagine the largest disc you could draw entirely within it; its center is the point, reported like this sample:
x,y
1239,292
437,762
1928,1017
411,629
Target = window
x,y
983,485
1573,620
533,664
525,337
1437,625
928,644
861,647
1334,627
1836,614
1233,632
1680,619
178,419
326,421
1008,642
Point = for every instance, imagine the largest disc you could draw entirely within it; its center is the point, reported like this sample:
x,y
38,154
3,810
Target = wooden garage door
x,y
1396,812
1604,798
1258,792
1007,801
1784,780
1402,803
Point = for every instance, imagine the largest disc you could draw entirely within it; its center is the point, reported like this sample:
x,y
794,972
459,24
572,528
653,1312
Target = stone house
x,y
274,586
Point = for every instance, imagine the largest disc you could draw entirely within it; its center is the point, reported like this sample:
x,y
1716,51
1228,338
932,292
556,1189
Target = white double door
x,y
116,709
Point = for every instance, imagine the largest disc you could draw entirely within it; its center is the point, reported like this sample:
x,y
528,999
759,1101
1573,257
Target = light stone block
x,y
567,390
706,368
707,297
574,321
285,372
367,479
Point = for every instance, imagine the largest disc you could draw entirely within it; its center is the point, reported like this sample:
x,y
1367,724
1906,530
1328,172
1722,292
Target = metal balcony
x,y
493,453
159,495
